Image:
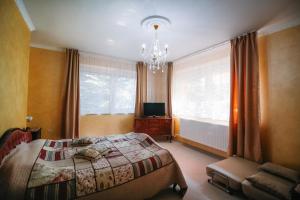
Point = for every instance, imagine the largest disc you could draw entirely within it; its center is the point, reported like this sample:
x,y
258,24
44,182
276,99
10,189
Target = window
x,y
107,86
202,86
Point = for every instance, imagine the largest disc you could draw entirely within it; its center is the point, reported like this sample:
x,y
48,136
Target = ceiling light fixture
x,y
155,57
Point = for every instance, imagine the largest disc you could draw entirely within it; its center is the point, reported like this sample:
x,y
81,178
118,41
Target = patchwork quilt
x,y
57,174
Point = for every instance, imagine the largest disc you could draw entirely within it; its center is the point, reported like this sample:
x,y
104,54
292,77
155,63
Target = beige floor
x,y
192,163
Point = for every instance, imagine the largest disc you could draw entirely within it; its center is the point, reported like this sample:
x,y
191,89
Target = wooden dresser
x,y
154,126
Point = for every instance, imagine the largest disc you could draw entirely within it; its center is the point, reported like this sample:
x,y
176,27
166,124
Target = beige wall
x,y
157,86
14,58
280,84
45,90
96,125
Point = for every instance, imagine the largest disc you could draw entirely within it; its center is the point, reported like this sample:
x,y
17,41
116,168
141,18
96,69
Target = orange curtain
x,y
169,89
141,88
71,102
244,135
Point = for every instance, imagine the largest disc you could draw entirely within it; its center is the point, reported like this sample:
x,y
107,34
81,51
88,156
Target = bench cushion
x,y
235,169
281,171
254,193
272,184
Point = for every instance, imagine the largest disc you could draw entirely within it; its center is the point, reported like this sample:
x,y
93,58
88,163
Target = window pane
x,y
202,86
107,90
94,93
126,100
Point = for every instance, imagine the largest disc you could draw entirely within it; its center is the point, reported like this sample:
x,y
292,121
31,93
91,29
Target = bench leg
x,y
224,187
221,187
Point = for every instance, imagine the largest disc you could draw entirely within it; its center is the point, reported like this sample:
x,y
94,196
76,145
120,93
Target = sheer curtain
x,y
157,86
201,88
107,85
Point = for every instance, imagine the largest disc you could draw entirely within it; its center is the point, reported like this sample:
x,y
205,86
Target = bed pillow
x,y
281,171
82,141
102,149
88,154
271,184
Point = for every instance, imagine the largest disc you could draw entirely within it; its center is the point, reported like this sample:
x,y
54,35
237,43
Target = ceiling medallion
x,y
155,57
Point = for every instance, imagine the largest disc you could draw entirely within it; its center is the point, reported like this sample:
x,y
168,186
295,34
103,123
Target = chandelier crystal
x,y
155,57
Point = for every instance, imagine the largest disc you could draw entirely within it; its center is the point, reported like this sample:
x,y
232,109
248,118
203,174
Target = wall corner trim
x,y
200,146
276,27
52,48
22,8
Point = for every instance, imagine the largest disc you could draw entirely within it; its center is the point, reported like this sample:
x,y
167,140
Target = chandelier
x,y
155,57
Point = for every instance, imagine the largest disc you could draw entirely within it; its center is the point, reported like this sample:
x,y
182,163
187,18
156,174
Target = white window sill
x,y
106,114
210,121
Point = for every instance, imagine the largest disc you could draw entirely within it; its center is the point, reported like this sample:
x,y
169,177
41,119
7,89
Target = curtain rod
x,y
211,47
203,50
106,56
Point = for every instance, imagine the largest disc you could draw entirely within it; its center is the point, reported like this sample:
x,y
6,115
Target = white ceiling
x,y
112,27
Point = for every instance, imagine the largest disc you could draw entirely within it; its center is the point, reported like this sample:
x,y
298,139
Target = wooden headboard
x,y
10,139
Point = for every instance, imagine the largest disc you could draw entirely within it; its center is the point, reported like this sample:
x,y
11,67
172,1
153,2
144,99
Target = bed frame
x,y
10,139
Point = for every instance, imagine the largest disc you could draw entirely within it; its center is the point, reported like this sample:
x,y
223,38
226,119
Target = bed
x,y
134,167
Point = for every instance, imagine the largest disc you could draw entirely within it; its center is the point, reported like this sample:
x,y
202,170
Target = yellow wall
x,y
45,90
14,58
96,125
45,98
280,92
176,126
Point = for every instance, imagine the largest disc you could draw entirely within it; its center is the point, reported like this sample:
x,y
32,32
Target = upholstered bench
x,y
229,173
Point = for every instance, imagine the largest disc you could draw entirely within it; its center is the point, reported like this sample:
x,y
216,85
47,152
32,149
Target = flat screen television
x,y
154,109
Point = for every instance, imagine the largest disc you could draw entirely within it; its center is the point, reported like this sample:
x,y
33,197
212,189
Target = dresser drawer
x,y
168,124
154,131
154,126
140,125
154,123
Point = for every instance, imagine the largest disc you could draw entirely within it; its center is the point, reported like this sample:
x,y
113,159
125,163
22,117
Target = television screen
x,y
154,109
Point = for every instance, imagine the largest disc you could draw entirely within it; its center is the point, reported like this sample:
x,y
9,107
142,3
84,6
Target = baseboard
x,y
201,146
